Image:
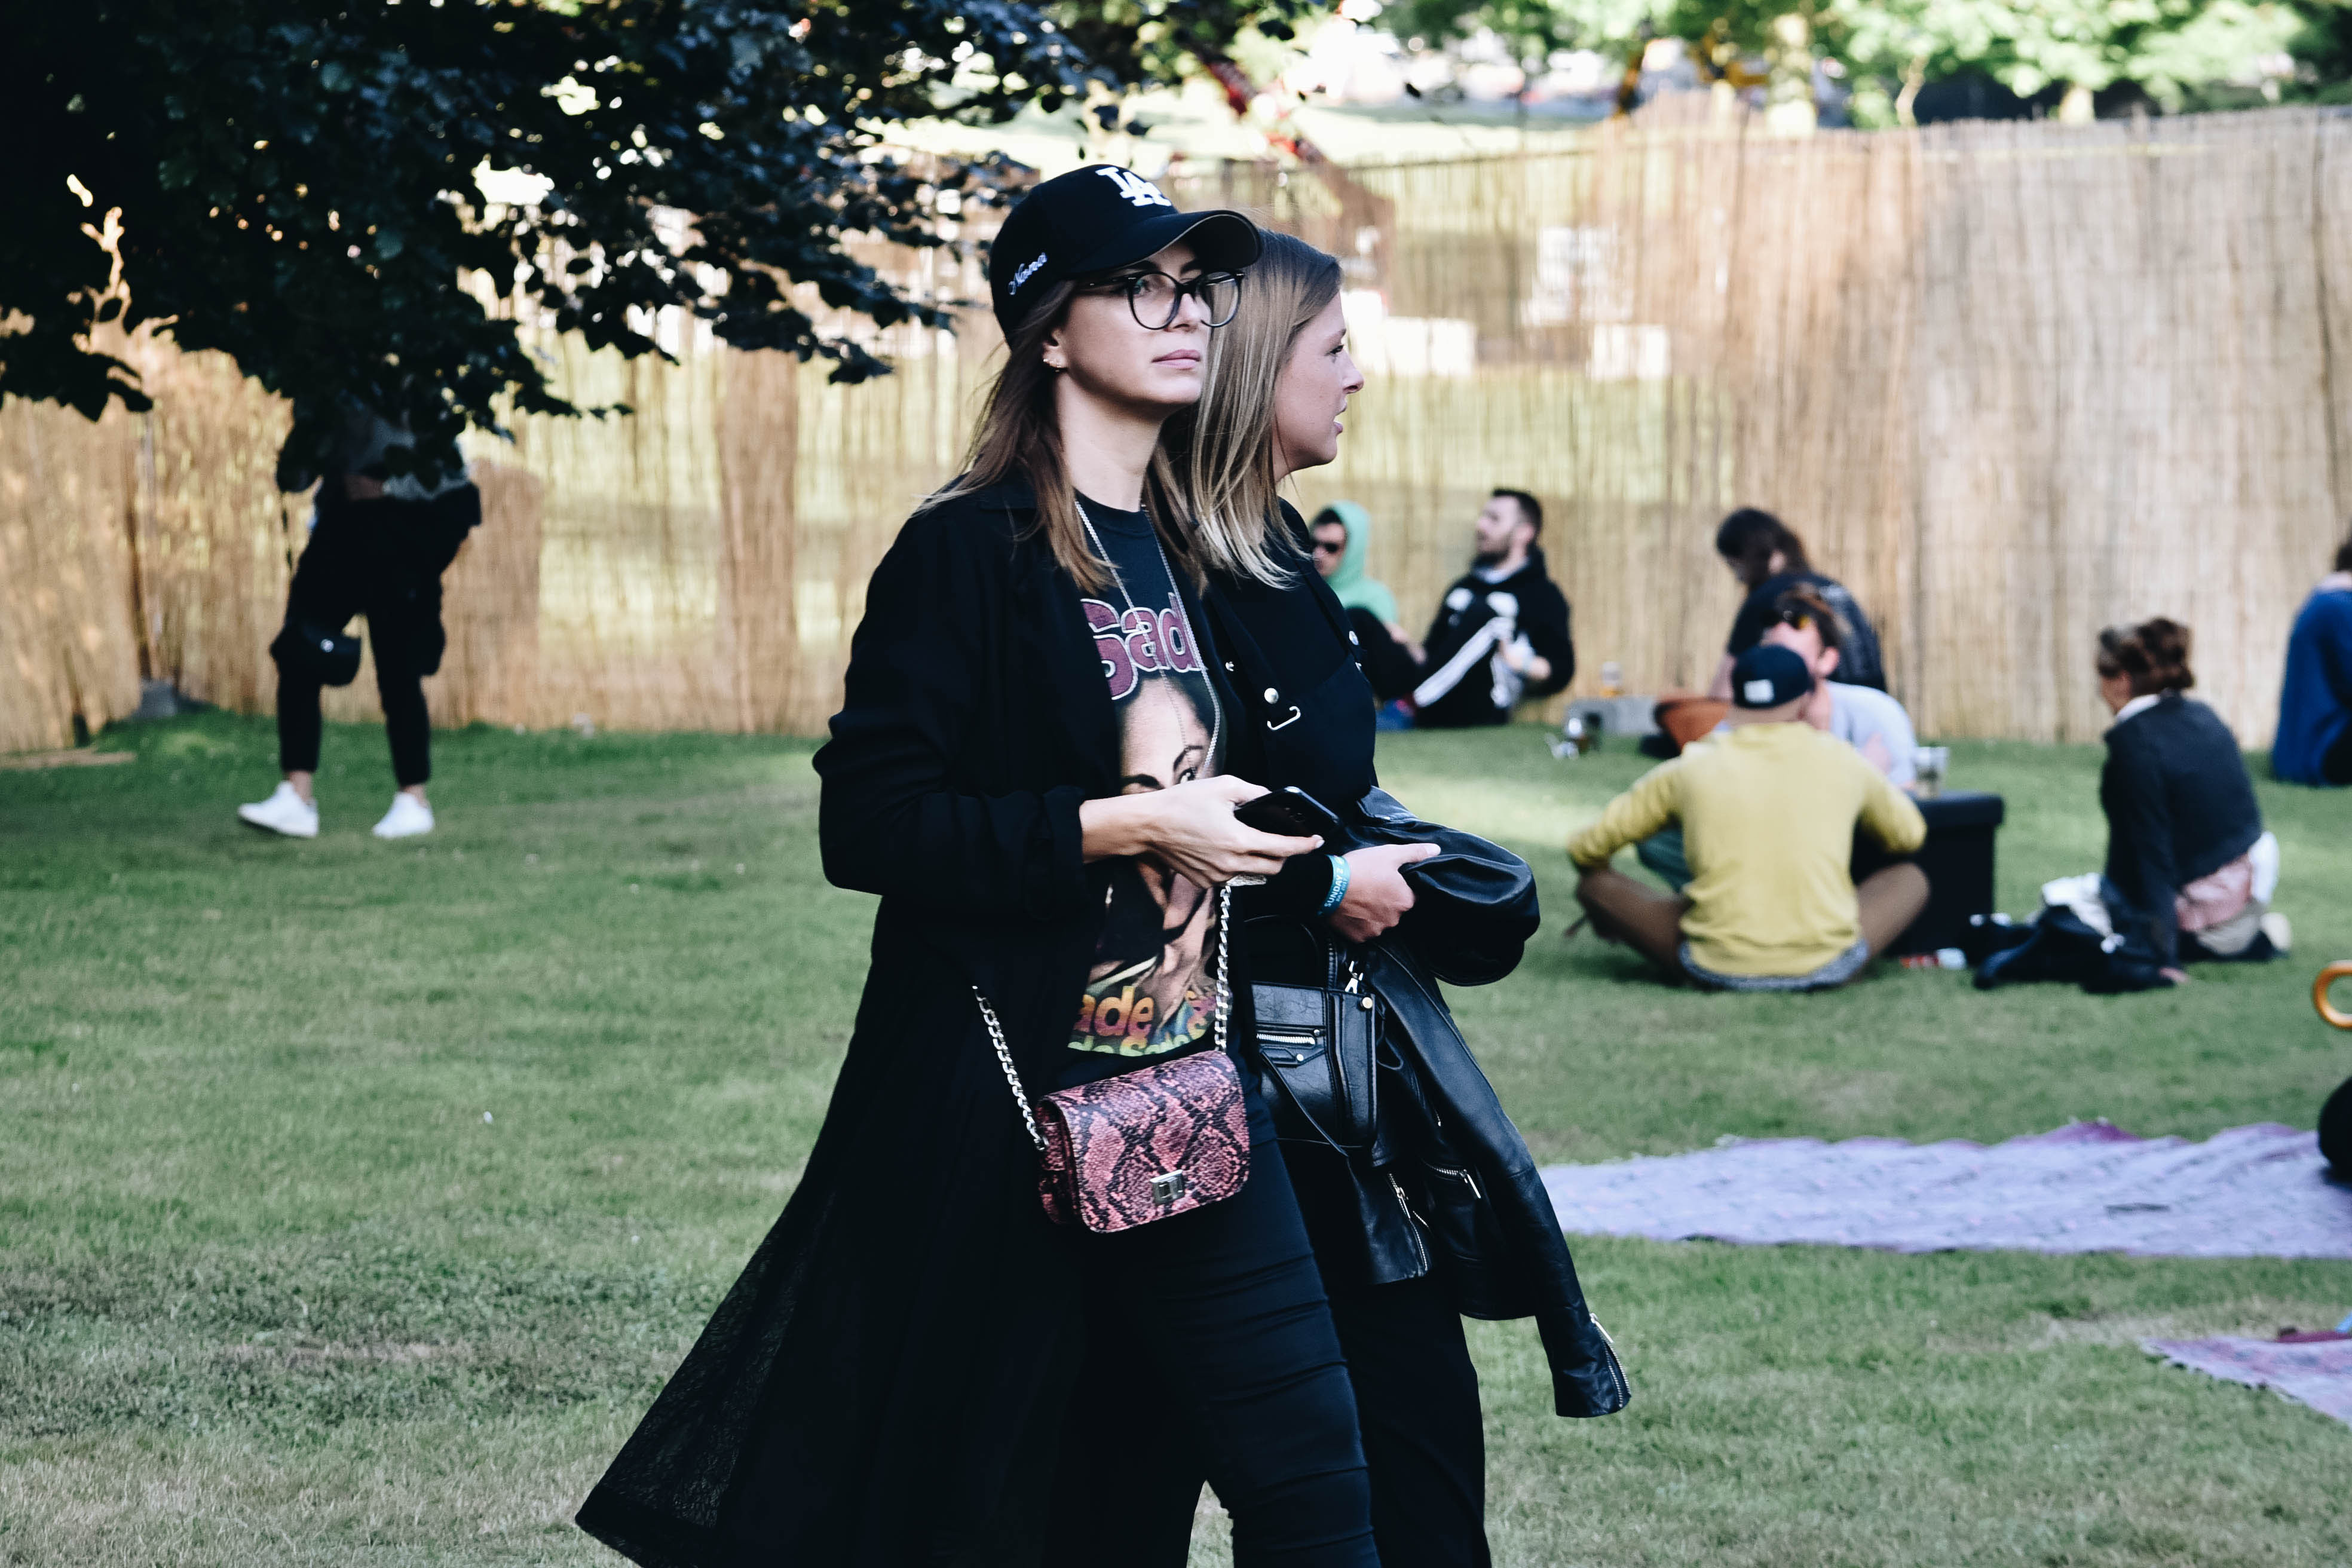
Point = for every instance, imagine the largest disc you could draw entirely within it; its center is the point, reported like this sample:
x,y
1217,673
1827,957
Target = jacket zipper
x,y
1412,1222
1464,1177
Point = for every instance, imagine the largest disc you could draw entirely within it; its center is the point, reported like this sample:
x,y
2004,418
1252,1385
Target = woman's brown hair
x,y
2154,655
1750,537
1223,447
1020,437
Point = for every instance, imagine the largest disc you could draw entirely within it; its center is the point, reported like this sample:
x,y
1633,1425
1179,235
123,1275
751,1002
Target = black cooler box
x,y
1958,861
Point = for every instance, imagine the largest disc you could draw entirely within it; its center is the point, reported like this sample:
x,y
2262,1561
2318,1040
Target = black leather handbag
x,y
1318,1051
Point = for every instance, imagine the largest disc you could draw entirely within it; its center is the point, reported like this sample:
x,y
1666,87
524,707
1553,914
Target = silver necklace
x,y
1216,709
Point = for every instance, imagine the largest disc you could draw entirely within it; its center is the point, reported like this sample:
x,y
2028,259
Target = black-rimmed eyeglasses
x,y
1154,299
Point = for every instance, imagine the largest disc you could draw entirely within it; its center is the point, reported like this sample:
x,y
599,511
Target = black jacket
x,y
1462,674
884,1383
2179,806
1288,652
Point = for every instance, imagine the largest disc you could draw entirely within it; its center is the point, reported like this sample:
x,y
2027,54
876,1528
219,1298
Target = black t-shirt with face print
x,y
1152,990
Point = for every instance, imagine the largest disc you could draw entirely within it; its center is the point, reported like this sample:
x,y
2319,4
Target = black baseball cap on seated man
x,y
1093,219
1768,675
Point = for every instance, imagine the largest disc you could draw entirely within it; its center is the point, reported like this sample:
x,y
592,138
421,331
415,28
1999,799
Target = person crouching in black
x,y
1500,633
379,544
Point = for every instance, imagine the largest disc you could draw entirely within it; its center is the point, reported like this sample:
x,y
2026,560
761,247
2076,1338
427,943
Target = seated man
x,y
1867,719
1500,633
1768,811
1864,717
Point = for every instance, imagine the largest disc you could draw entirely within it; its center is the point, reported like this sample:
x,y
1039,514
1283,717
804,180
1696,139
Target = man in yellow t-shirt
x,y
1768,812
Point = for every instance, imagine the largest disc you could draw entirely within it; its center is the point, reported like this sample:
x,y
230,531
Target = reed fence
x,y
2012,382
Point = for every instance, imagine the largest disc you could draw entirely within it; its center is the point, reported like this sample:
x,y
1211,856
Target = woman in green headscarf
x,y
1342,531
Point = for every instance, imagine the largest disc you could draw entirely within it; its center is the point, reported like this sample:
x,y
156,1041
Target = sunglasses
x,y
1153,298
1330,547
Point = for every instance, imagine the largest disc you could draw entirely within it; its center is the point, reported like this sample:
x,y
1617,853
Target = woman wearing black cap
x,y
1030,768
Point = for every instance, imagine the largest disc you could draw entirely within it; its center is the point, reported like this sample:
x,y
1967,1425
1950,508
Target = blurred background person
x,y
1391,660
2190,870
1768,811
1343,533
1871,722
1501,632
1769,559
1867,719
2314,745
379,543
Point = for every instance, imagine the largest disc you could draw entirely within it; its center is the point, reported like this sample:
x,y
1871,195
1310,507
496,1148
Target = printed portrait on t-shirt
x,y
1150,989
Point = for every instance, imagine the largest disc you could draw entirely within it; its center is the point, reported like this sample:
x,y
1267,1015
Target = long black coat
x,y
885,1384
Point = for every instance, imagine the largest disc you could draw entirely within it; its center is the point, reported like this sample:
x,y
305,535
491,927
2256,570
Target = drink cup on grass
x,y
1932,763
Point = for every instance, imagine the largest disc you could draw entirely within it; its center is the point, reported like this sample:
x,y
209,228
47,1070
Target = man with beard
x,y
1501,632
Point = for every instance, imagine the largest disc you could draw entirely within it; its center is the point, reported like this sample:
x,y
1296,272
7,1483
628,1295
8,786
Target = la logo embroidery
x,y
1136,188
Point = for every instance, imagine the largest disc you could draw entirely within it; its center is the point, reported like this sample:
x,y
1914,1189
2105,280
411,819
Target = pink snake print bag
x,y
1126,1150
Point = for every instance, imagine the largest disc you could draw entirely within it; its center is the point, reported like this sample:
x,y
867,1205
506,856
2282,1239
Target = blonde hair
x,y
1222,448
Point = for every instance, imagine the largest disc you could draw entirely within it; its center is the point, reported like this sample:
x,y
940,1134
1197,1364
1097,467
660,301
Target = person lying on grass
x,y
1768,811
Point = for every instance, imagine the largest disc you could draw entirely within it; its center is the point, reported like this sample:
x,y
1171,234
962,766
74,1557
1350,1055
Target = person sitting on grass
x,y
1869,721
2190,869
2315,723
1864,717
1769,559
1500,634
1768,811
1340,534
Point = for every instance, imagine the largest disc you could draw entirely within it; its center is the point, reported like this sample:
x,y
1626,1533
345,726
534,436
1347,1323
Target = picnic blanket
x,y
2261,1191
2316,1374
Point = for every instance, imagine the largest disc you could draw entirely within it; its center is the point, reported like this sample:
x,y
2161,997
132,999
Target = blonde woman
x,y
1032,767
1279,381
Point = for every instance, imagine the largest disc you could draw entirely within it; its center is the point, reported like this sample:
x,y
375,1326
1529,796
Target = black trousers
x,y
1211,1354
383,560
1424,1435
2336,767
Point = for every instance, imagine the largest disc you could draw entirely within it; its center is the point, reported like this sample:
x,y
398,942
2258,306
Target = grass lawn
x,y
355,1198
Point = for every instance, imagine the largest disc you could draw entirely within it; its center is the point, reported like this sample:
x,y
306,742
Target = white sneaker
x,y
2282,935
284,812
408,817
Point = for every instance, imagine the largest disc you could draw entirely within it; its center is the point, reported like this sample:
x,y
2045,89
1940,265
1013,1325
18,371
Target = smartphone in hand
x,y
1291,813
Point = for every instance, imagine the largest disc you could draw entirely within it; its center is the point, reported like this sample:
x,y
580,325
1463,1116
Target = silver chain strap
x,y
1225,953
1224,1015
1005,1061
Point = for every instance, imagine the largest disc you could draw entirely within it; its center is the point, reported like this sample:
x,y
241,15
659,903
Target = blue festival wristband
x,y
1339,885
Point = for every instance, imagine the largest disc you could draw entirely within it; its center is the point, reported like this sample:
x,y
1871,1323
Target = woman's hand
x,y
1378,895
1191,826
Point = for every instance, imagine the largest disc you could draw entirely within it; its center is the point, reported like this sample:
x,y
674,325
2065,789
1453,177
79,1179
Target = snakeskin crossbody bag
x,y
1126,1150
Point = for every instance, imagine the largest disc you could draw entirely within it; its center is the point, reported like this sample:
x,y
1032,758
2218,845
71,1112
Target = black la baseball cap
x,y
1768,675
1096,218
